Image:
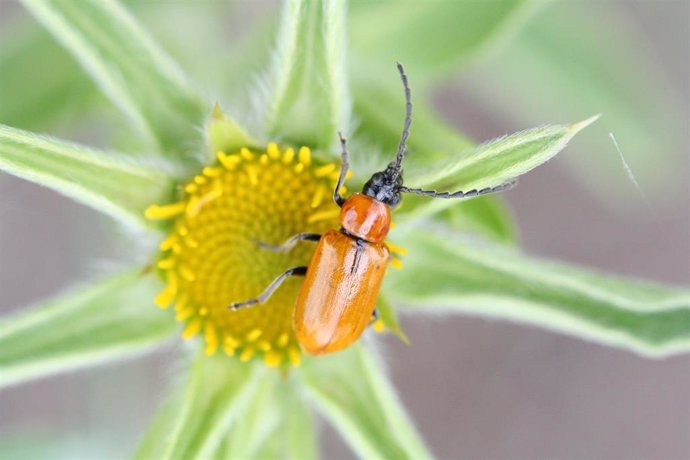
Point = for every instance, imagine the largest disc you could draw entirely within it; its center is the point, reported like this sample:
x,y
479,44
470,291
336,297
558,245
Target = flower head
x,y
211,255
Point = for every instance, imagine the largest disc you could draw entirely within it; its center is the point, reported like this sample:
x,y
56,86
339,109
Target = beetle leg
x,y
290,242
294,271
344,166
375,315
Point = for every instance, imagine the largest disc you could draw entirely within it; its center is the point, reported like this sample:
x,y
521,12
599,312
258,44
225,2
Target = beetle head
x,y
385,185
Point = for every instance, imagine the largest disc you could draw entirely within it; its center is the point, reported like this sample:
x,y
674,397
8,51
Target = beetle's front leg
x,y
344,167
290,242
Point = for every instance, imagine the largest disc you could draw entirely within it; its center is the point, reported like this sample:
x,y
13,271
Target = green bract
x,y
307,95
108,182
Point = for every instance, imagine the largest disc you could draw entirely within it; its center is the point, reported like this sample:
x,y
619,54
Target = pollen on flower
x,y
395,252
211,258
378,325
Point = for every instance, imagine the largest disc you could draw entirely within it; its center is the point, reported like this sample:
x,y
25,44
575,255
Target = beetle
x,y
337,299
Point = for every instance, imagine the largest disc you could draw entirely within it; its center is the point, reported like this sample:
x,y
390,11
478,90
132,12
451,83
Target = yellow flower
x,y
211,258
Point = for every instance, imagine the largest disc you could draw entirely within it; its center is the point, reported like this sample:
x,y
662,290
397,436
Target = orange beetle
x,y
338,297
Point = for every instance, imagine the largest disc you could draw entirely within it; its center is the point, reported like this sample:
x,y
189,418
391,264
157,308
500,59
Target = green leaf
x,y
225,407
107,182
430,38
552,70
164,425
197,418
110,320
487,215
487,165
446,272
131,69
271,448
278,423
232,57
307,98
261,424
31,97
301,431
352,392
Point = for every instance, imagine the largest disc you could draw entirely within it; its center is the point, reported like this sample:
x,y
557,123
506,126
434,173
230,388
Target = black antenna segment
x,y
402,147
460,193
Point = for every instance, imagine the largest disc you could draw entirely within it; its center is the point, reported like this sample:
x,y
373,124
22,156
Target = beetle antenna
x,y
460,194
402,147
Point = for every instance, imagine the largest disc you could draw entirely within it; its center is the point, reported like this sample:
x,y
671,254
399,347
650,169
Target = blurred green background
x,y
476,388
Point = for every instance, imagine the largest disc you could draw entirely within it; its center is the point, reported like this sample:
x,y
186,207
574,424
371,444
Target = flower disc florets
x,y
211,258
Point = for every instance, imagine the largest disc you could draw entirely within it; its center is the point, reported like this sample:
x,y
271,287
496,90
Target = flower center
x,y
211,258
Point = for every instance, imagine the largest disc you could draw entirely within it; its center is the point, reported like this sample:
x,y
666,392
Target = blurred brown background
x,y
476,388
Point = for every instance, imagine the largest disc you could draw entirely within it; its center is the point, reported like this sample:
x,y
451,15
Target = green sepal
x,y
487,215
224,134
488,165
108,182
389,318
131,70
352,391
447,273
107,321
307,99
196,419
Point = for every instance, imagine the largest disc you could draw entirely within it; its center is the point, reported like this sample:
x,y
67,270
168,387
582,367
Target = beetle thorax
x,y
366,217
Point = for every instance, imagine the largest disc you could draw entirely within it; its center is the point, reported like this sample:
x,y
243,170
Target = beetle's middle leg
x,y
294,271
290,242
